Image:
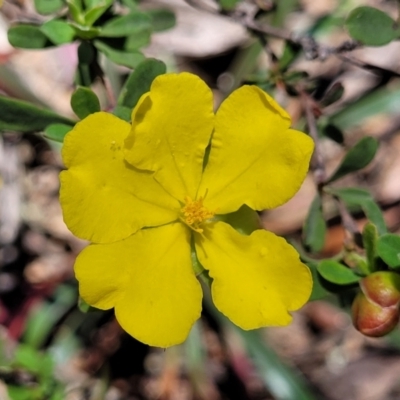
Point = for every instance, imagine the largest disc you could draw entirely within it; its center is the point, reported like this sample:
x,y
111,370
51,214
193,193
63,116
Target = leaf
x,y
228,4
138,40
337,273
122,112
20,116
129,59
354,197
76,12
26,36
58,31
370,237
92,15
315,227
245,220
126,25
139,82
85,32
48,6
356,158
161,19
333,133
318,290
84,102
389,249
57,132
333,94
371,26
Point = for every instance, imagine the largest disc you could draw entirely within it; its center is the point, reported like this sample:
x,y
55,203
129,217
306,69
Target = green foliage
x,y
356,158
370,237
20,116
48,6
337,273
388,248
130,59
84,102
315,227
228,4
371,26
57,132
139,82
161,19
27,36
358,198
58,31
130,24
245,220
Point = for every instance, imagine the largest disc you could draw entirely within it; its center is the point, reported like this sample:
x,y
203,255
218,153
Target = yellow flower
x,y
144,194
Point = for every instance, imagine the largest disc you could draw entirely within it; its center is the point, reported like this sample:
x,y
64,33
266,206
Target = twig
x,y
317,161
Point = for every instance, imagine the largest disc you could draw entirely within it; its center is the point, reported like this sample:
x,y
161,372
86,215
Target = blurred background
x,y
51,349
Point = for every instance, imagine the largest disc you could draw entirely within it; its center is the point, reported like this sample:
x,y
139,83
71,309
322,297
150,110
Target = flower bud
x,y
382,288
371,319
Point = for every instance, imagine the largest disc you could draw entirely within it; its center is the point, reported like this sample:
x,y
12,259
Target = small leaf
x,y
139,82
389,249
138,40
354,197
123,112
371,26
356,158
48,6
26,36
129,59
92,15
315,226
228,4
333,94
20,116
318,290
76,12
84,102
57,132
126,25
245,220
370,237
58,31
85,32
337,273
161,19
334,133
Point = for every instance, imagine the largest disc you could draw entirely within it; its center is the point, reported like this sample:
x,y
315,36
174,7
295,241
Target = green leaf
x,y
26,36
20,393
318,290
58,31
138,40
333,94
85,32
315,227
92,15
48,6
84,102
139,82
371,26
161,19
228,4
360,198
126,25
28,358
122,112
370,237
356,158
57,132
333,133
75,10
129,59
337,273
20,116
389,249
245,220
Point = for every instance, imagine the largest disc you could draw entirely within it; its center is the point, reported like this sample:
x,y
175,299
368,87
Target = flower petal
x,y
149,279
257,279
255,159
172,126
103,198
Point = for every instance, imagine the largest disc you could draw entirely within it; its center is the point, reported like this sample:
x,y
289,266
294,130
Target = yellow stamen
x,y
194,213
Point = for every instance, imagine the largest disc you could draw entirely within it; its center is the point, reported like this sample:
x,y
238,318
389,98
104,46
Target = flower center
x,y
194,213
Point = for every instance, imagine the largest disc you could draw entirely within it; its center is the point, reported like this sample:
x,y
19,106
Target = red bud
x,y
382,288
371,319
